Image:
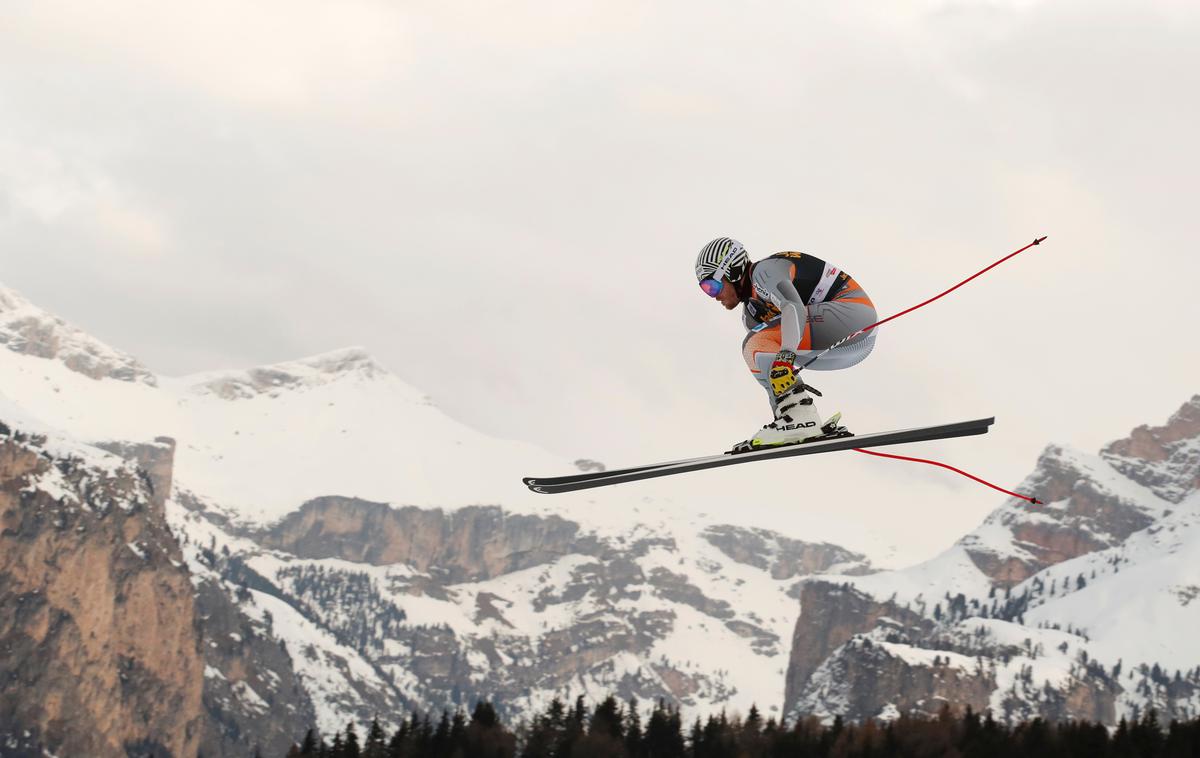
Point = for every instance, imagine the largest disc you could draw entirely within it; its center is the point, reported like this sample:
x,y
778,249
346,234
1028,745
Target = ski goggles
x,y
712,287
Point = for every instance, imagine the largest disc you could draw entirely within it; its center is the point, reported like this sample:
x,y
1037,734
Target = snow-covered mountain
x,y
395,555
261,442
1083,607
355,552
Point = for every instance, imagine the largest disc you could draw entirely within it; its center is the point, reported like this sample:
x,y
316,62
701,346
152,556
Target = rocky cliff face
x,y
439,606
782,556
831,615
28,330
97,624
155,464
111,645
253,698
1007,618
1089,510
468,544
861,658
848,682
1166,459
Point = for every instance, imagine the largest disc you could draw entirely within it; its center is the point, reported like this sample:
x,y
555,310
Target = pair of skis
x,y
574,482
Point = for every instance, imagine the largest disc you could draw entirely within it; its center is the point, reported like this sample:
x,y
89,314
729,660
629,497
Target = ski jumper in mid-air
x,y
800,312
794,305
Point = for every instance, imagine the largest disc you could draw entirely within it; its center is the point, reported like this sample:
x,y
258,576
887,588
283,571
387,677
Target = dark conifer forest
x,y
611,729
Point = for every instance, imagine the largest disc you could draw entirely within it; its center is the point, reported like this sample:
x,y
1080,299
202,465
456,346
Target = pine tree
x,y
376,745
579,712
664,736
396,747
830,736
308,748
696,738
538,741
556,722
633,730
486,736
572,728
458,732
484,715
1147,734
606,719
750,738
441,735
675,725
711,739
352,749
753,720
423,737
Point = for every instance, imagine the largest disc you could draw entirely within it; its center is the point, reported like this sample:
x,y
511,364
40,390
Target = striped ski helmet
x,y
723,256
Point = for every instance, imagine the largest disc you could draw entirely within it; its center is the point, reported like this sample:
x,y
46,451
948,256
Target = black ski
x,y
573,482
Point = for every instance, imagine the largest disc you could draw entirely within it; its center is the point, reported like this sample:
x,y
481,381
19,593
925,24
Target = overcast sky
x,y
502,201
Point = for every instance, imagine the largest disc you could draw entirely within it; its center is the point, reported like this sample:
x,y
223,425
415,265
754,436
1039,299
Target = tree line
x,y
611,729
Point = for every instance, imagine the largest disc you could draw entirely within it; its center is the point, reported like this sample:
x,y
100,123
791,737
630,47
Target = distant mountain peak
x,y
1089,506
315,370
1165,459
28,330
353,359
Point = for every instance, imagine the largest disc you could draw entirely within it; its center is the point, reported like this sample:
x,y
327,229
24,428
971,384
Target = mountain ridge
x,y
316,506
1072,609
348,363
29,330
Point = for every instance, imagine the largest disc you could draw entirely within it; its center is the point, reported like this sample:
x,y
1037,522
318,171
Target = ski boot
x,y
796,418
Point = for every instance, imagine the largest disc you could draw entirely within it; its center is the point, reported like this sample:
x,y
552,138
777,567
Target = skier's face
x,y
728,296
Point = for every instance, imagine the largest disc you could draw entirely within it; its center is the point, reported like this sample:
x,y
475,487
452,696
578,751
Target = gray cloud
x,y
525,185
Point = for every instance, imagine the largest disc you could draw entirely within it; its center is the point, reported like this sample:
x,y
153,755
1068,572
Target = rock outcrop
x,y
954,630
155,463
253,699
1165,458
1089,507
831,615
28,330
468,544
97,622
782,556
110,644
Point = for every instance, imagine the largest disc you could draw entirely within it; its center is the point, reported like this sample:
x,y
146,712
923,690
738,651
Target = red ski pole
x,y
866,329
1027,498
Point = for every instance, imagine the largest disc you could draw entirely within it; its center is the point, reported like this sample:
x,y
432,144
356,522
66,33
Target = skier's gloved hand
x,y
783,372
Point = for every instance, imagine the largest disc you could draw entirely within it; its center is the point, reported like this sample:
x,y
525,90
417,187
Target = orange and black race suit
x,y
829,305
